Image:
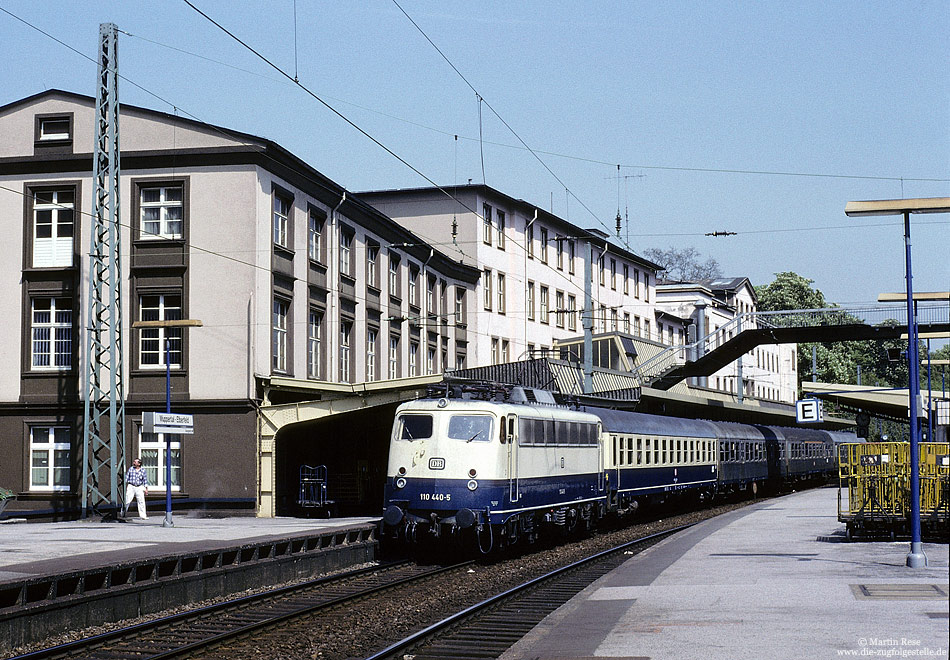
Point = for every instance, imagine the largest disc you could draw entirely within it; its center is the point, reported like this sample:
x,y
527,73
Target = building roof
x,y
597,236
250,149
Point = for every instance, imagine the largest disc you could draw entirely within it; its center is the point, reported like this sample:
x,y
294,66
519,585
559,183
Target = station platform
x,y
57,576
776,579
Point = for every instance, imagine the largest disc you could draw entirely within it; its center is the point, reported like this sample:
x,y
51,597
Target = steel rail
x,y
70,649
426,635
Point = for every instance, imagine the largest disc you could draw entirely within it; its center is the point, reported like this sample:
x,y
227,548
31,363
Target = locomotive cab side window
x,y
470,428
415,426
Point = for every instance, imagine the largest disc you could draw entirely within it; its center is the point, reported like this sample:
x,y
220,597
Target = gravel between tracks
x,y
373,624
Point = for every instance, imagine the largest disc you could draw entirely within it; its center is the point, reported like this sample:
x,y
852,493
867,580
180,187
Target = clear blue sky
x,y
666,89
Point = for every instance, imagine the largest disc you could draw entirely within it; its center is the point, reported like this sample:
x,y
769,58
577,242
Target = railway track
x,y
188,633
491,627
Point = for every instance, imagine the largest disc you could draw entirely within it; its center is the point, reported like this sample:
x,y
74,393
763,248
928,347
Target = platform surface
x,y
29,549
772,580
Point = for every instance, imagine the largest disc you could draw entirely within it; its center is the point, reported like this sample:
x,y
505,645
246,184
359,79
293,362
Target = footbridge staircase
x,y
746,331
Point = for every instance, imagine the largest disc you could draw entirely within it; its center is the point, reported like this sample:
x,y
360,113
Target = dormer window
x,y
54,128
53,133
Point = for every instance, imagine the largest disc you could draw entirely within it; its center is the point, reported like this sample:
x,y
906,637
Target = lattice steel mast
x,y
104,416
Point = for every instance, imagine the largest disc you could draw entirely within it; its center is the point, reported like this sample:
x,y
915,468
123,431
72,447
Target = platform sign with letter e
x,y
808,411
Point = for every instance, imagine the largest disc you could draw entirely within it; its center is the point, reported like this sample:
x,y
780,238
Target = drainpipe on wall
x,y
333,284
526,248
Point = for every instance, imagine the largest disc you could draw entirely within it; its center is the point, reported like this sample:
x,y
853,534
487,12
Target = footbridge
x,y
746,331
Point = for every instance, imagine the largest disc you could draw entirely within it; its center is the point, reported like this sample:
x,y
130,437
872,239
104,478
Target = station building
x,y
295,281
321,309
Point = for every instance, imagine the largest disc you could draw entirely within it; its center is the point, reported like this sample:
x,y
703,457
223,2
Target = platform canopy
x,y
880,401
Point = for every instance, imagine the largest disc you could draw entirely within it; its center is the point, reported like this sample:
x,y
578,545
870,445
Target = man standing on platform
x,y
136,480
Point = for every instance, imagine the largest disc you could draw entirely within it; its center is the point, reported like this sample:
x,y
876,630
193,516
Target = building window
x,y
646,287
505,351
346,251
501,293
49,458
559,308
613,320
530,300
544,304
559,241
282,206
495,351
315,344
372,338
626,322
315,235
52,129
613,274
544,244
646,328
500,216
413,286
393,358
161,307
486,286
626,279
529,240
51,334
346,332
460,360
152,451
487,224
162,212
636,326
636,283
372,265
279,335
430,360
570,257
431,308
571,312
601,267
459,305
394,288
53,219
413,358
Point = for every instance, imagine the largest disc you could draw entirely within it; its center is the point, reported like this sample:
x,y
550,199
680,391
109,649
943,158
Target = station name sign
x,y
808,411
159,422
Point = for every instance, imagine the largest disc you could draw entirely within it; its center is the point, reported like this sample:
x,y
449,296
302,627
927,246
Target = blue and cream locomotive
x,y
501,463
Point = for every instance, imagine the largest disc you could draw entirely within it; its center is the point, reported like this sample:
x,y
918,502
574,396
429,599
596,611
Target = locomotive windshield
x,y
415,427
470,428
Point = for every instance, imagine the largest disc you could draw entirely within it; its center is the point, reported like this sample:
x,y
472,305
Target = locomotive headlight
x,y
472,473
472,484
400,482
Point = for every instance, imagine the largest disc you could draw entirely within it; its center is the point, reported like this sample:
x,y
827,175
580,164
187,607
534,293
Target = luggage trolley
x,y
313,491
872,490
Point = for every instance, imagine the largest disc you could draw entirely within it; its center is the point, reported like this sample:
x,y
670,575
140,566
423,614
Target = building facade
x,y
531,290
291,276
719,309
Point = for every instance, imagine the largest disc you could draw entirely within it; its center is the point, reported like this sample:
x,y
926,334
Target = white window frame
x,y
282,219
163,205
486,224
393,358
559,308
413,358
545,305
501,293
372,260
54,448
315,236
53,334
280,312
372,339
163,312
155,442
58,248
49,136
346,247
314,343
544,245
571,312
346,338
530,300
500,215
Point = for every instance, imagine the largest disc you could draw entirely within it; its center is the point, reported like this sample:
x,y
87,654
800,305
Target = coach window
x,y
656,450
639,451
415,427
646,450
470,428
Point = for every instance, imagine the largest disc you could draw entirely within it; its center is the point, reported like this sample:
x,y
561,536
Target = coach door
x,y
601,466
514,492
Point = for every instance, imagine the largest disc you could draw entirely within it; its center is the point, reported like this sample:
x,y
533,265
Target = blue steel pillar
x,y
916,557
